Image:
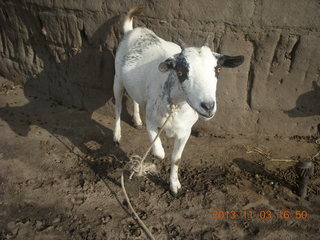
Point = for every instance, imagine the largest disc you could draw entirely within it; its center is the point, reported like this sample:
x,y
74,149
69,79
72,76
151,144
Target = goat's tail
x,y
127,25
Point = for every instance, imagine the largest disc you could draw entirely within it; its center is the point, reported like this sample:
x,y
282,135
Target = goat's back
x,y
138,57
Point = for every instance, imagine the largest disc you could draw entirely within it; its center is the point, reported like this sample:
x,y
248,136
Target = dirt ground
x,y
60,179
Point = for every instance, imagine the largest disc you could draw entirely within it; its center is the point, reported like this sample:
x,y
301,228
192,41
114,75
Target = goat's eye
x,y
218,69
179,73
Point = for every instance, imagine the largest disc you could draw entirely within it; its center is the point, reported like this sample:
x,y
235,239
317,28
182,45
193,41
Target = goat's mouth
x,y
206,115
202,114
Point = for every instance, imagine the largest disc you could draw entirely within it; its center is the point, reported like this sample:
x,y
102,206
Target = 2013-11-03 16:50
x,y
261,214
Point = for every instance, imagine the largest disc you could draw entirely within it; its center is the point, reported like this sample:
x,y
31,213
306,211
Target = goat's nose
x,y
207,106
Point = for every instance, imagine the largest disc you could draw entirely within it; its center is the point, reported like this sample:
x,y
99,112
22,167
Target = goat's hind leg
x,y
136,116
118,92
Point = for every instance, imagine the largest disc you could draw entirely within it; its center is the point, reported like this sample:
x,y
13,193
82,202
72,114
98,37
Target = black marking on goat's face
x,y
200,88
179,64
182,68
168,85
197,70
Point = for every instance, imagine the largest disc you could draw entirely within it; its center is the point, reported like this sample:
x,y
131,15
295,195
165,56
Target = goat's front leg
x,y
179,144
157,148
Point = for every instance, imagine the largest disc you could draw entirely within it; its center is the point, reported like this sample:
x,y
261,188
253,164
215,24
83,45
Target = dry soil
x,y
60,179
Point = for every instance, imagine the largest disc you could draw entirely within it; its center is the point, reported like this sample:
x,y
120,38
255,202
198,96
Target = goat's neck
x,y
173,91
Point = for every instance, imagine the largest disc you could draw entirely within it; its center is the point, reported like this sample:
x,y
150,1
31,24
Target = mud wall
x,y
65,49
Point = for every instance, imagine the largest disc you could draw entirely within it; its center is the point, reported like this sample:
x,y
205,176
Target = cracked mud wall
x,y
65,49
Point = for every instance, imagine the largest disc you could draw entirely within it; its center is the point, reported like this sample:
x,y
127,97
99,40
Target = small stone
x,y
48,228
106,219
39,225
30,181
56,220
77,201
143,215
11,225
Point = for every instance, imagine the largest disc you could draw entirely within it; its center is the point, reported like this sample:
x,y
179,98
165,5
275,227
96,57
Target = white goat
x,y
158,74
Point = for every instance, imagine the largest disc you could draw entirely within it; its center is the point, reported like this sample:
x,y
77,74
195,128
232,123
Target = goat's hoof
x,y
139,127
116,143
116,139
175,194
159,155
175,190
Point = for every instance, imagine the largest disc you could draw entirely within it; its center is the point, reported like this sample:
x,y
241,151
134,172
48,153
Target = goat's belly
x,y
137,93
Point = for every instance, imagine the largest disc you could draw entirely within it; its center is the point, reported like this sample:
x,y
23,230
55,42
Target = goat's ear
x,y
167,65
230,61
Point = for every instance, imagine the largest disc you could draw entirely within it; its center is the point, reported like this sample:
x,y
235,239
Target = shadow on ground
x,y
256,169
83,81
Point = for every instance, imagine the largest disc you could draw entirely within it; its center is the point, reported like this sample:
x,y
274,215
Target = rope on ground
x,y
136,165
145,228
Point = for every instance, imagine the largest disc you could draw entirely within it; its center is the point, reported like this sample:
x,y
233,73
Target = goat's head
x,y
197,70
